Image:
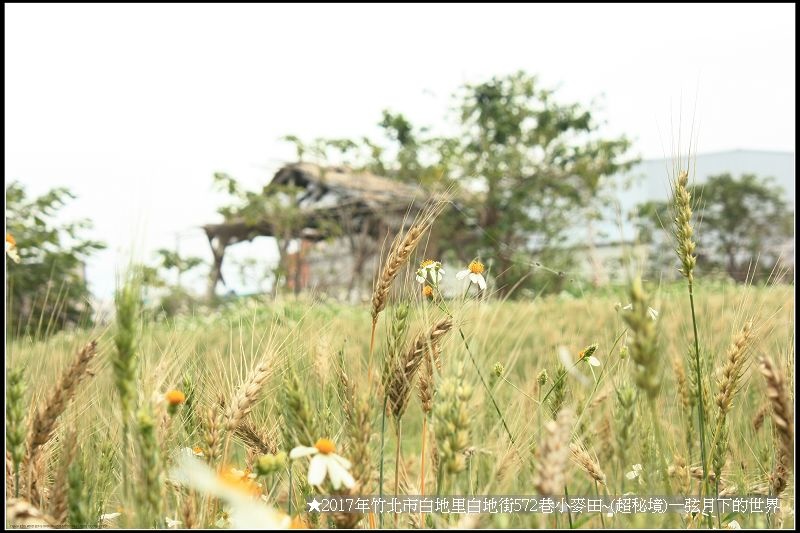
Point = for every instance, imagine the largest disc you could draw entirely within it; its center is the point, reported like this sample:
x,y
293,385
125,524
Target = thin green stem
x,y
701,411
290,489
443,307
558,381
486,386
597,491
539,418
659,448
569,514
528,396
383,439
397,467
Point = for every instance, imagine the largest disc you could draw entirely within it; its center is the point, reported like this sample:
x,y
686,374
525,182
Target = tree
x,y
535,165
47,290
168,299
171,260
274,203
741,221
523,170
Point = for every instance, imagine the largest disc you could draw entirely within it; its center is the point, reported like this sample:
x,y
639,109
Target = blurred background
x,y
234,150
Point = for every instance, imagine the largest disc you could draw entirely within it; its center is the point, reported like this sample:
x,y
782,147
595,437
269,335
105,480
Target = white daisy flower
x,y
11,248
108,517
636,473
430,271
475,272
245,508
566,357
172,523
733,524
325,463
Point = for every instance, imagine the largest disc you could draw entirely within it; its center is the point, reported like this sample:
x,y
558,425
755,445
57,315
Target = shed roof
x,y
326,194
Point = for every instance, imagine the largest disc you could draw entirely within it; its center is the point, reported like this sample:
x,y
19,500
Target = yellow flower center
x,y
10,239
325,446
427,263
476,267
198,450
427,290
175,397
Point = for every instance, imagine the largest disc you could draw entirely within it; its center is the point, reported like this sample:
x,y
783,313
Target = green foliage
x,y
168,299
47,290
523,169
537,163
741,220
172,260
125,361
15,420
277,204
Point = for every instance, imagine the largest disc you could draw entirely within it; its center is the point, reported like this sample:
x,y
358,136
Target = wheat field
x,y
237,416
513,407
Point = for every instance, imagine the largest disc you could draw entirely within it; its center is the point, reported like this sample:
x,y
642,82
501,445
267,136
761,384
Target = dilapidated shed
x,y
351,211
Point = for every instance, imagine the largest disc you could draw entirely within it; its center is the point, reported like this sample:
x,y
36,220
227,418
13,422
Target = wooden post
x,y
215,276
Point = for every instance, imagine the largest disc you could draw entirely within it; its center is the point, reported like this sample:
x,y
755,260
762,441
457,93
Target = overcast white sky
x,y
134,107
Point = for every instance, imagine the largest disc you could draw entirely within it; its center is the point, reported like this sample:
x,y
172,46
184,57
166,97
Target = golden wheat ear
x,y
44,423
400,252
783,422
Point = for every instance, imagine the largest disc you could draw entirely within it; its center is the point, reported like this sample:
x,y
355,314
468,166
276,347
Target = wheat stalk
x,y
782,421
254,439
58,500
761,414
212,426
732,371
727,387
248,393
44,422
398,388
552,455
149,487
399,253
189,512
588,464
15,427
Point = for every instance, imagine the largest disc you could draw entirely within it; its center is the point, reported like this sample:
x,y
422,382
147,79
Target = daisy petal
x,y
462,274
302,451
344,476
342,461
317,470
335,472
594,361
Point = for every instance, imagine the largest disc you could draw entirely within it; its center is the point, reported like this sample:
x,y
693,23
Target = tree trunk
x,y
215,276
360,248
